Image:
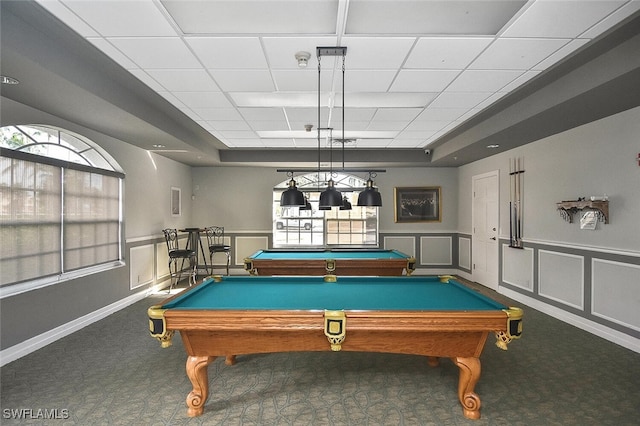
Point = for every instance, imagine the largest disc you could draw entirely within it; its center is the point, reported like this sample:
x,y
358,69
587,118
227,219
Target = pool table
x,y
335,262
430,316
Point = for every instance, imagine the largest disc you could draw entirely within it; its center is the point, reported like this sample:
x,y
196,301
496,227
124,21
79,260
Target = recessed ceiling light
x,y
158,145
8,80
493,146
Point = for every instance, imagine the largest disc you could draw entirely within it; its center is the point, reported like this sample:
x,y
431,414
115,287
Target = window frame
x,y
28,284
291,221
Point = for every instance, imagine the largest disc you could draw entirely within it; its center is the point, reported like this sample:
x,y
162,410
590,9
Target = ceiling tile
x,y
388,100
228,52
483,80
440,114
203,99
423,80
194,80
228,125
459,100
429,17
516,54
218,113
262,113
375,52
243,80
114,18
397,114
157,52
237,134
446,53
386,125
429,126
301,80
251,17
277,99
367,80
560,19
258,125
281,51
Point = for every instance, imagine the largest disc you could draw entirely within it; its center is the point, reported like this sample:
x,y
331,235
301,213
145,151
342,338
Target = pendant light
x,y
307,204
346,205
370,197
330,197
292,197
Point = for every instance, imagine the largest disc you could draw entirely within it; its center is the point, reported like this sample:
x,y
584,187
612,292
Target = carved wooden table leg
x,y
469,375
197,373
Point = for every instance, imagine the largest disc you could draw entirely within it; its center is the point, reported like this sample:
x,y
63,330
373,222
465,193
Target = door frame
x,y
495,268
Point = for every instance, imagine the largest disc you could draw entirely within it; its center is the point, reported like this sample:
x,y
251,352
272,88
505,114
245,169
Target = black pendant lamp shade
x,y
330,197
307,204
292,197
370,196
346,205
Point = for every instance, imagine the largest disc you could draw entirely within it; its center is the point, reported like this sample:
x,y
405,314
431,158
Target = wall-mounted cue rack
x,y
516,170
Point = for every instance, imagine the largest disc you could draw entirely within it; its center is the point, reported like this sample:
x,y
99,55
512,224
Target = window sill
x,y
9,290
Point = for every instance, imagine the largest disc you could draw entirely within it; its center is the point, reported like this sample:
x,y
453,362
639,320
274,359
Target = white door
x,y
484,251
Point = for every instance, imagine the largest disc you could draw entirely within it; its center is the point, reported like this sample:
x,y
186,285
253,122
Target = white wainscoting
x,y
517,267
464,252
141,265
246,246
406,245
615,290
162,261
436,250
561,277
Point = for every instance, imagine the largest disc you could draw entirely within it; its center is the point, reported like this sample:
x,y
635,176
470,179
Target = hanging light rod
x,y
361,170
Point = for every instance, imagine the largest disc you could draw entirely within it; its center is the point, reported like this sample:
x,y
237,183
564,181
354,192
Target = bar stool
x,y
175,254
216,242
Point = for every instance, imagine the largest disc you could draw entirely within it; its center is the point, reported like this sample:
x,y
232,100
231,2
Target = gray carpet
x,y
113,373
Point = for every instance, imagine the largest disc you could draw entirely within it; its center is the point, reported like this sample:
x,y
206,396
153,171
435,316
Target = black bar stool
x,y
217,244
175,254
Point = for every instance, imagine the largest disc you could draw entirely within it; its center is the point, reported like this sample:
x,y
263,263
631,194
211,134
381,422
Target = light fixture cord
x,y
343,58
318,128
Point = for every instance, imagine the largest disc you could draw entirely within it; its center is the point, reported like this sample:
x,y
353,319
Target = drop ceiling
x,y
416,72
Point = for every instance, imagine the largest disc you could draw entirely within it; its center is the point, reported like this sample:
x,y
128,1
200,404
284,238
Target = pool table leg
x,y
469,375
197,373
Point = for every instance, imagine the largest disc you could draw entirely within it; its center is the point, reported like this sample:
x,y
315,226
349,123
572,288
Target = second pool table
x,y
330,261
431,316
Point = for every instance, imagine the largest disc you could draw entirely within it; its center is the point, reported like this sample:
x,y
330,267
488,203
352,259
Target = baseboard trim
x,y
599,330
33,344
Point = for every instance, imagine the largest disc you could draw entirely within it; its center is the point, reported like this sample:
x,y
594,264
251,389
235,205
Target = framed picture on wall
x,y
418,204
176,201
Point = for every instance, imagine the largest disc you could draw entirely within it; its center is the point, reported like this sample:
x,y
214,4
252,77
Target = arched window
x,y
60,204
298,227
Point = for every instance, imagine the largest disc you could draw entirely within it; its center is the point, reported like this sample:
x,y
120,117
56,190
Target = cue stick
x,y
519,212
510,203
